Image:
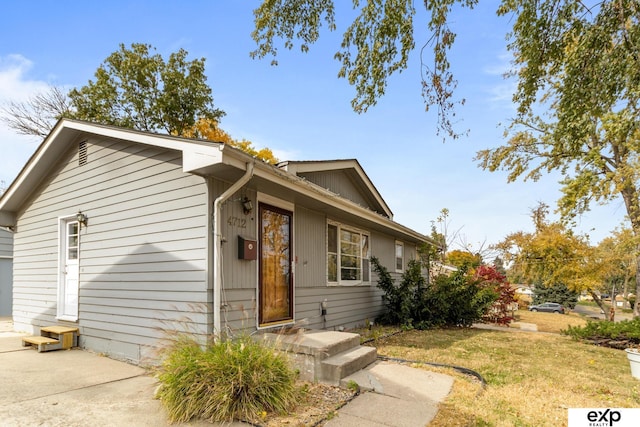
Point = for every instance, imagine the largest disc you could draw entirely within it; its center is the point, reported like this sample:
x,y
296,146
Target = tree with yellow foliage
x,y
210,130
553,255
459,258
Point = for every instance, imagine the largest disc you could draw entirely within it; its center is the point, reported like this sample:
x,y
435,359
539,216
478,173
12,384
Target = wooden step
x,y
57,329
54,337
42,343
68,336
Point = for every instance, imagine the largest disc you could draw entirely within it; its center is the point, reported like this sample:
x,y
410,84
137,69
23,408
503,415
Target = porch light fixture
x,y
247,206
82,218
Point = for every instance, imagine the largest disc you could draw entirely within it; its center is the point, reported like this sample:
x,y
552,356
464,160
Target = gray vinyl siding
x,y
239,310
310,236
6,244
348,306
238,274
338,182
239,277
143,255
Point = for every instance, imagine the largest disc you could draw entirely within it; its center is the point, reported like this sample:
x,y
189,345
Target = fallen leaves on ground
x,y
321,403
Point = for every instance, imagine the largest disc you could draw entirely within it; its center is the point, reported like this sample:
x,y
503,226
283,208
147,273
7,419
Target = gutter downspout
x,y
217,242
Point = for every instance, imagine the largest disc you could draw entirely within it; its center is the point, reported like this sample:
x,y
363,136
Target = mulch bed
x,y
319,405
619,344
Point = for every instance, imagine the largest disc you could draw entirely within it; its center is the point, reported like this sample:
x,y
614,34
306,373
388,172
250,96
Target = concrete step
x,y
308,350
319,344
334,368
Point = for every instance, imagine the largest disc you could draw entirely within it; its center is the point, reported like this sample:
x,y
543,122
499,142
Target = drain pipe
x,y
217,242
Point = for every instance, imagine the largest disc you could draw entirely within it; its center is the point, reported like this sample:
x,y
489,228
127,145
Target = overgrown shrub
x,y
237,379
501,309
456,300
402,300
626,330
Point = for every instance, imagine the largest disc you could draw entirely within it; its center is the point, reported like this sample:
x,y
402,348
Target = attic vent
x,y
82,153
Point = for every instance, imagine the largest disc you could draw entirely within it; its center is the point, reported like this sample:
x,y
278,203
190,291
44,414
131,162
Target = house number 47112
x,y
234,221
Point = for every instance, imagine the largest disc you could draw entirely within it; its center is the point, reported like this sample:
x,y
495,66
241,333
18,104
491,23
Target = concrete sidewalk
x,y
80,388
394,395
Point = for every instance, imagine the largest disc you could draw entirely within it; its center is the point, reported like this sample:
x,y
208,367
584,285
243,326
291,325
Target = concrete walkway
x,y
79,388
394,395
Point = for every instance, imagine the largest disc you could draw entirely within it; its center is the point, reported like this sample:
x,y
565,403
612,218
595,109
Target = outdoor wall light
x,y
247,206
82,218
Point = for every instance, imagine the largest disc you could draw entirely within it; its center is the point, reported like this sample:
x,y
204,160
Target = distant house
x,y
125,234
438,269
6,267
525,292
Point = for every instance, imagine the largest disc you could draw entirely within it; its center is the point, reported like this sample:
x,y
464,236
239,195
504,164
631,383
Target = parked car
x,y
548,307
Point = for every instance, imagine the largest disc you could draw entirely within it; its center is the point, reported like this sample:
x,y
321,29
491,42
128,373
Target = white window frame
x,y
399,245
365,264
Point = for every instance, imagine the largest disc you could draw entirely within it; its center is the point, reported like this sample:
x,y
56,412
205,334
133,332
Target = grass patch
x,y
532,378
588,304
549,322
375,332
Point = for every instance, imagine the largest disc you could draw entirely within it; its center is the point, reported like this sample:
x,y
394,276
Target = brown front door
x,y
276,278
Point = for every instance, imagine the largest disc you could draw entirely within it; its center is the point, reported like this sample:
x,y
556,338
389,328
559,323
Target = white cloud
x,y
14,84
501,94
501,66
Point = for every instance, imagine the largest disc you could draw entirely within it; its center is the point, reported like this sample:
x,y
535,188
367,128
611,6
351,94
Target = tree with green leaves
x,y
557,293
578,102
377,44
133,88
138,89
578,70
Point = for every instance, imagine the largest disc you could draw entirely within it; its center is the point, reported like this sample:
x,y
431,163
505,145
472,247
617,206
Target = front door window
x,y
276,279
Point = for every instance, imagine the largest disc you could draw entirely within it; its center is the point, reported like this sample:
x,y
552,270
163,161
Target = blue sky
x,y
300,109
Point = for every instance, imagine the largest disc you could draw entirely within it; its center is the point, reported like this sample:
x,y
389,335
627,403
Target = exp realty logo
x,y
604,417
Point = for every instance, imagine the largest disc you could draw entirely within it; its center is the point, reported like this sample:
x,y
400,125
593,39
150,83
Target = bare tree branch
x,y
37,115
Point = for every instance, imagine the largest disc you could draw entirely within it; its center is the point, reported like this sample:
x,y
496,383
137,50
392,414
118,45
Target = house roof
x,y
206,158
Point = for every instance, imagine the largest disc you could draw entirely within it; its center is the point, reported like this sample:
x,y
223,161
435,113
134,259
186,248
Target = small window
x,y
399,256
348,254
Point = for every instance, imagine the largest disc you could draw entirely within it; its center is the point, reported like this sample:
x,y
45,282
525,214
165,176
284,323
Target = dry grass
x,y
532,378
549,322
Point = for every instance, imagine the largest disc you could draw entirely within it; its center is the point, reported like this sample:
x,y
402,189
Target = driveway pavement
x,y
596,313
78,388
74,388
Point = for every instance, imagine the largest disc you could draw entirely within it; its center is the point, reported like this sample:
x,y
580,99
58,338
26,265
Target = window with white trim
x,y
399,256
348,253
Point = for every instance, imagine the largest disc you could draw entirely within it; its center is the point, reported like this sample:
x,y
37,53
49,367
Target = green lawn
x,y
532,378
